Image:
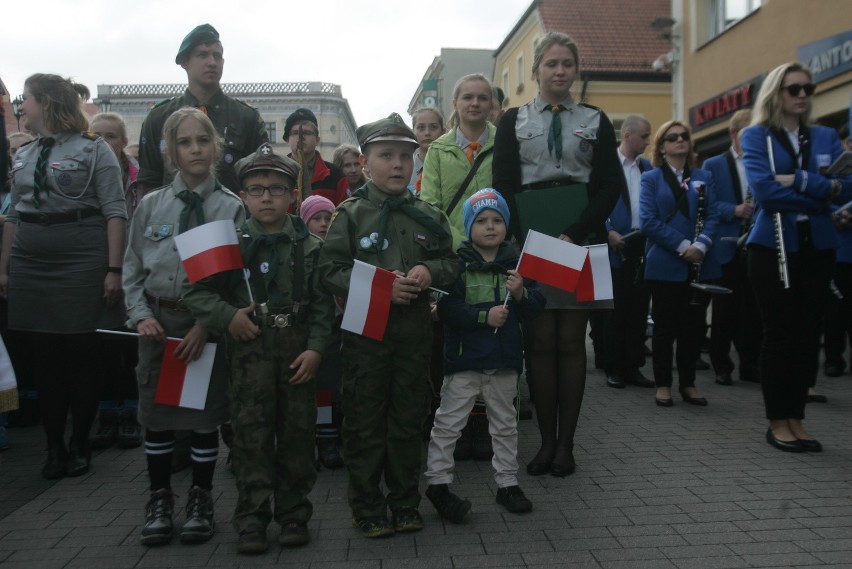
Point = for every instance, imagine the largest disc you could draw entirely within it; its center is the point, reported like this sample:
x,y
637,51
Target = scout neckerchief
x,y
271,285
400,203
678,189
472,150
40,175
195,203
554,135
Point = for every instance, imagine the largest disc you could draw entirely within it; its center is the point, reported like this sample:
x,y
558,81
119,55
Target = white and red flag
x,y
181,384
209,249
552,261
596,278
369,301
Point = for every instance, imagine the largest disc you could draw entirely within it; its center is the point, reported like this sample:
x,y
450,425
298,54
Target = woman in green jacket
x,y
452,156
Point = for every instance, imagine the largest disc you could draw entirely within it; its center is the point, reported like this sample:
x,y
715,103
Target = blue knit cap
x,y
488,198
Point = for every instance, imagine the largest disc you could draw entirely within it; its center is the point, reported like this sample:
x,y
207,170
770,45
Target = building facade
x,y
728,47
618,48
274,101
436,88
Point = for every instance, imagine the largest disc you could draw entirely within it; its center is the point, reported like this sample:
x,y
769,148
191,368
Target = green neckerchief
x,y
40,175
195,203
401,203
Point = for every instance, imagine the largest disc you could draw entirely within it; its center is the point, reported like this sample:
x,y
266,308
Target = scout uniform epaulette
x,y
89,135
163,102
26,143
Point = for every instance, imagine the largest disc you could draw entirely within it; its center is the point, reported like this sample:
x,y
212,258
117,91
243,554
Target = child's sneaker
x,y
449,506
406,520
373,526
512,498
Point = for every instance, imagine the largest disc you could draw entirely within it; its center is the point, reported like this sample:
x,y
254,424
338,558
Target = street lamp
x,y
16,109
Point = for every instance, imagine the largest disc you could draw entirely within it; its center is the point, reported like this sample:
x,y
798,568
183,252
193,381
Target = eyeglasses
x,y
796,88
304,133
674,136
274,191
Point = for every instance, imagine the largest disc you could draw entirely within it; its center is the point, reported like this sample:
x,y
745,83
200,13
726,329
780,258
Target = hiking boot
x,y
107,432
158,515
464,444
407,520
129,430
482,449
199,516
329,455
449,506
294,534
252,541
373,526
512,498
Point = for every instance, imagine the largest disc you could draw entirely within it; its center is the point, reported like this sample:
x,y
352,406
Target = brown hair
x,y
549,40
61,100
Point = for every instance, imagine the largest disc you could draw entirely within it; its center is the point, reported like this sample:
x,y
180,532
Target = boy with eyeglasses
x,y
301,132
275,345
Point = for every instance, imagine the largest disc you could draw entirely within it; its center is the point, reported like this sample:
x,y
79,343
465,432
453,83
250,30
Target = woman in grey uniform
x,y
61,260
555,162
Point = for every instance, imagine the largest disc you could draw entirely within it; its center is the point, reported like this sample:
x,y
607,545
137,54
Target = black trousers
x,y
626,324
789,355
838,317
736,320
678,311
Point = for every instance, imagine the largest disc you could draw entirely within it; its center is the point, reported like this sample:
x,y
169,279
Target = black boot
x,y
199,516
158,518
107,432
55,466
129,430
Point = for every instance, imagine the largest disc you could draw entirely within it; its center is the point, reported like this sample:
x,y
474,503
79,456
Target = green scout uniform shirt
x,y
240,128
212,310
356,223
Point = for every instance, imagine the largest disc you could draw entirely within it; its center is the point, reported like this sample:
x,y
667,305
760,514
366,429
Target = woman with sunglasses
x,y
786,161
679,220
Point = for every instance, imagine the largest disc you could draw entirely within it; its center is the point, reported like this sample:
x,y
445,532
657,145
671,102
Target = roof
x,y
611,35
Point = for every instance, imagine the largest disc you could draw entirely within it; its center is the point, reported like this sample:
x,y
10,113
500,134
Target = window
x,y
725,13
520,71
272,131
505,81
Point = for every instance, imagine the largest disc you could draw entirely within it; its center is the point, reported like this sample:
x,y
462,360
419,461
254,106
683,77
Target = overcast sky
x,y
376,50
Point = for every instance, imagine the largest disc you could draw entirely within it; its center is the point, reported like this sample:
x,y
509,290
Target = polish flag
x,y
596,278
369,300
181,384
324,399
209,249
552,261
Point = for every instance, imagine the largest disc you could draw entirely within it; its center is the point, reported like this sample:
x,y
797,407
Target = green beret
x,y
391,128
265,158
205,33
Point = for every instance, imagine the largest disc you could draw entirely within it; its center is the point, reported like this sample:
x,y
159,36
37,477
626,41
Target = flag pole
x,y
134,334
521,256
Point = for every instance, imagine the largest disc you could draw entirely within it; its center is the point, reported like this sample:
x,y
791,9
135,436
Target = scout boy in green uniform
x,y
275,345
385,390
240,126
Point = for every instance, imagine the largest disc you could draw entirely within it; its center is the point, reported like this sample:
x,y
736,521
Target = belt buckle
x,y
43,218
281,320
180,305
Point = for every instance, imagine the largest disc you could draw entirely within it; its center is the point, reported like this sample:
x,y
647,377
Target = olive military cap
x,y
392,128
205,33
265,158
298,116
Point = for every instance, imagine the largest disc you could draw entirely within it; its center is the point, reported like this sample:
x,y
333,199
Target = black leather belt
x,y
163,302
549,184
278,320
55,218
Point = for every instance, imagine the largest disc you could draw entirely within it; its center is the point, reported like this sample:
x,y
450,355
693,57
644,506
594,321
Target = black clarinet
x,y
695,269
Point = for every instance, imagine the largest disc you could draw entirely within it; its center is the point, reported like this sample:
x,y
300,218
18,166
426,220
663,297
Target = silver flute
x,y
783,270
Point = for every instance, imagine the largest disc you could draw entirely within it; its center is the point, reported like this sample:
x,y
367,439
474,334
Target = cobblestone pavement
x,y
681,487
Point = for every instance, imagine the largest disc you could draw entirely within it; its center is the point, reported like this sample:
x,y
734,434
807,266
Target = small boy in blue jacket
x,y
483,354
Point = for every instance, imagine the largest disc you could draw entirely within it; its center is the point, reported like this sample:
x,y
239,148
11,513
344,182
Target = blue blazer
x,y
808,194
621,218
656,204
728,192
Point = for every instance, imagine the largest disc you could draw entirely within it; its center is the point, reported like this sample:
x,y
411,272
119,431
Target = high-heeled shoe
x,y
700,401
541,463
563,462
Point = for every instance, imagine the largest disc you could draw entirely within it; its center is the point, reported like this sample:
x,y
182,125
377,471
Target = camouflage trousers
x,y
385,394
273,421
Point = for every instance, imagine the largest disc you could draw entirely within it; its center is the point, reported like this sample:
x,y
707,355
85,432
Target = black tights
x,y
558,376
66,379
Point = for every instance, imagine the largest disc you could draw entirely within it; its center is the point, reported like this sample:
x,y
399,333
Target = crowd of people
x,y
88,245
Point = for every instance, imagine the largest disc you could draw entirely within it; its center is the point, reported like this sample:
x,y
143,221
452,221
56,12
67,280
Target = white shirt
x,y
633,176
738,160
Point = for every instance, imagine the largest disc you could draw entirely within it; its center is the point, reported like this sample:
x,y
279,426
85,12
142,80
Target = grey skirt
x,y
559,299
56,278
167,417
